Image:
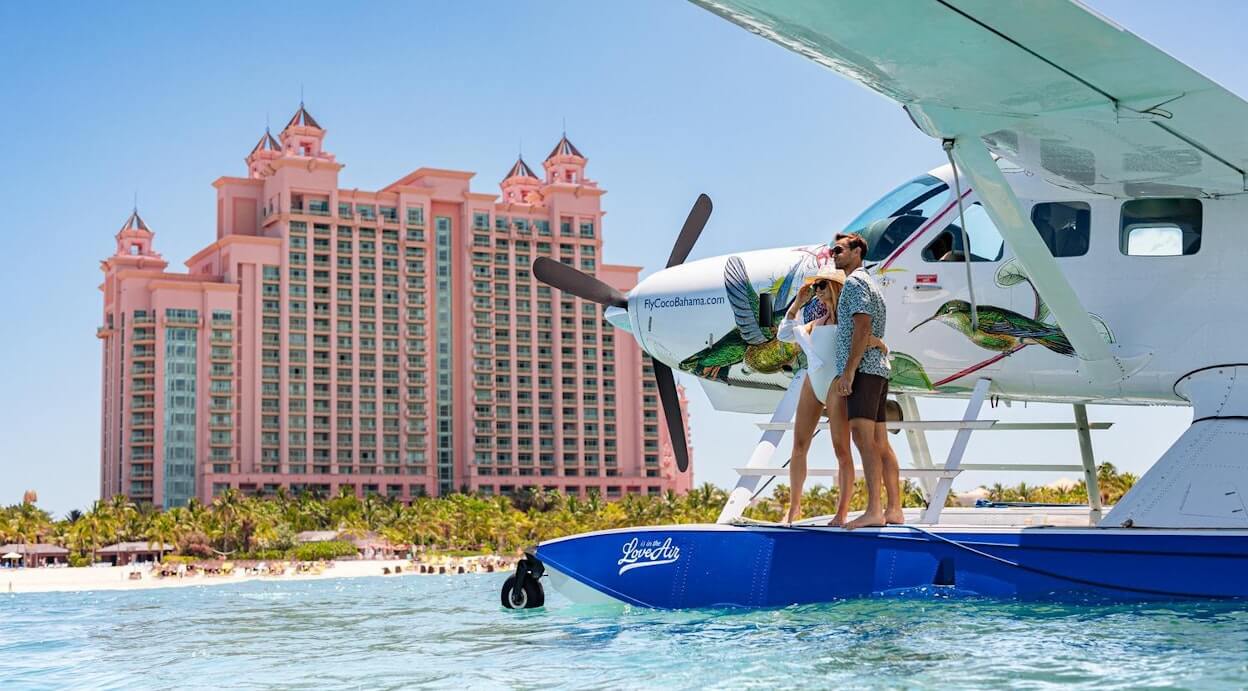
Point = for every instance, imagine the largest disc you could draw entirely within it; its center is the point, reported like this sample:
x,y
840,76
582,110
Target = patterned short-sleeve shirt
x,y
861,296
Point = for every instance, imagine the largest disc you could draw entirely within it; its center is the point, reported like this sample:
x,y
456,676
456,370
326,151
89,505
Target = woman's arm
x,y
789,326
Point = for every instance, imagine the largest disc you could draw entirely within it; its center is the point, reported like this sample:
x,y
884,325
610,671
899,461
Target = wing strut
x,y
966,239
1097,363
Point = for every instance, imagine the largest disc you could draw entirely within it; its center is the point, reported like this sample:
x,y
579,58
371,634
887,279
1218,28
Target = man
x,y
863,380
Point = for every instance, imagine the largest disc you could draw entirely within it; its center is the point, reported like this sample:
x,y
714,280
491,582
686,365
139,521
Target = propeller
x,y
582,285
689,233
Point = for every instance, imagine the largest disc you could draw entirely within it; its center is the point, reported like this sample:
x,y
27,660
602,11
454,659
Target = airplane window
x,y
921,196
986,242
1160,227
1064,226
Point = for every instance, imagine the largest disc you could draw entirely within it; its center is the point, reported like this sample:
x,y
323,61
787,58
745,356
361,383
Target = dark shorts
x,y
868,398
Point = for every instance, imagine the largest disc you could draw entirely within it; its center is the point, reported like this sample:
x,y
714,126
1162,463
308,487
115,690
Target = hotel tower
x,y
391,342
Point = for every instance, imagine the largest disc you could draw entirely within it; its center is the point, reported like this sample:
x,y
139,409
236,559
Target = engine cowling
x,y
706,317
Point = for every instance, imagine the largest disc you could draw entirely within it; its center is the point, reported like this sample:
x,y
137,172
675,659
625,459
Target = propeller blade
x,y
582,285
698,216
670,400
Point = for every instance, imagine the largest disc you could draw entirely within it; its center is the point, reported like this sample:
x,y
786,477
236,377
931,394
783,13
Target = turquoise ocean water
x,y
443,632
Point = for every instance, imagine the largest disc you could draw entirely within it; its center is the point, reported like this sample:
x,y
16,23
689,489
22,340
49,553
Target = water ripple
x,y
440,632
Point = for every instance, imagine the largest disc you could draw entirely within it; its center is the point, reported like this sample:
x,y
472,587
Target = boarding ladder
x,y
935,481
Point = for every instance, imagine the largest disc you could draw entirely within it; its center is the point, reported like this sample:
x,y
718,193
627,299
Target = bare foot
x,y
866,520
837,521
894,517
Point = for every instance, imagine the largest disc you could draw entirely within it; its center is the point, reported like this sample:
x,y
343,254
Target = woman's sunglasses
x,y
820,285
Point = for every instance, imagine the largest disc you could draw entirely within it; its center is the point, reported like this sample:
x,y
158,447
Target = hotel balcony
x,y
184,320
143,353
144,336
143,403
223,338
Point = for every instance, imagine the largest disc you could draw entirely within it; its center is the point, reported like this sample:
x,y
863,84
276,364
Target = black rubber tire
x,y
530,596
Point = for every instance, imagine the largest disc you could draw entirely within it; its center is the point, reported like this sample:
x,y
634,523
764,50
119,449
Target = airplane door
x,y
926,288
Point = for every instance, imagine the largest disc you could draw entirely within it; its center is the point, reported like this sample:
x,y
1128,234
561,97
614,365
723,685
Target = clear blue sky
x,y
101,100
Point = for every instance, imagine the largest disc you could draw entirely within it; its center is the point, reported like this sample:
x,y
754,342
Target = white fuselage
x,y
1173,314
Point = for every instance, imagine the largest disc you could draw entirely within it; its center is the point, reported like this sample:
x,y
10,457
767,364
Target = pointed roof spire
x,y
520,169
134,222
267,143
302,118
564,148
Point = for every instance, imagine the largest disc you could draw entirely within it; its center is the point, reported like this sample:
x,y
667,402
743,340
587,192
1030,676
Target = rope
x,y
1063,577
966,239
1024,567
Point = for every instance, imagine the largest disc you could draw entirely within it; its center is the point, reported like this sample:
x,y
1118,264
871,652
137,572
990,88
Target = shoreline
x,y
97,578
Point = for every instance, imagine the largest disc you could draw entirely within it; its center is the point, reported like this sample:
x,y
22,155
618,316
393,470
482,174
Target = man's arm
x,y
857,346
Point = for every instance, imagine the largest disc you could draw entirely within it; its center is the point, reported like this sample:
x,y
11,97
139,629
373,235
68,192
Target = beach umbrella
x,y
11,555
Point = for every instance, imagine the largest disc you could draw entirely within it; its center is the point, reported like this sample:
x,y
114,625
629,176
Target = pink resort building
x,y
391,342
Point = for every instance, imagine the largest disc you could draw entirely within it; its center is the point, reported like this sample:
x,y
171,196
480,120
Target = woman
x,y
817,339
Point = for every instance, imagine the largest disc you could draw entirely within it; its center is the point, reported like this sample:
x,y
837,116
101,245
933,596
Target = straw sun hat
x,y
826,273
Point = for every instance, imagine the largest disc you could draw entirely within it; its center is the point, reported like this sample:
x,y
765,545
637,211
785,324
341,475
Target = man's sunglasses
x,y
836,249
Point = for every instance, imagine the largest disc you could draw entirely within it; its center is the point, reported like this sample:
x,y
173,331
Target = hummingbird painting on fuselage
x,y
1000,330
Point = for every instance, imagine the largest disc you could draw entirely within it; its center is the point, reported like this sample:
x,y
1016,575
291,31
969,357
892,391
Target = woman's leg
x,y
838,425
804,423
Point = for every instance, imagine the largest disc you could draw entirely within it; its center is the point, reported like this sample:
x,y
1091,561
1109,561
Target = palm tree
x,y
163,529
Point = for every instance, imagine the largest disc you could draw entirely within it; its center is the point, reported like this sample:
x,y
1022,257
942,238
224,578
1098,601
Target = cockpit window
x,y
986,242
886,235
922,196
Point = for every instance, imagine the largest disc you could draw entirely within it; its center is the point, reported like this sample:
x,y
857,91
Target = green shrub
x,y
263,555
80,560
313,551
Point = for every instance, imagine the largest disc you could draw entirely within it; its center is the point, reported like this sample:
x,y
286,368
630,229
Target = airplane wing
x,y
1047,84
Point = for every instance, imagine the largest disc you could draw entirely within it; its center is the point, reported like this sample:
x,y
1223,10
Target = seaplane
x,y
1084,244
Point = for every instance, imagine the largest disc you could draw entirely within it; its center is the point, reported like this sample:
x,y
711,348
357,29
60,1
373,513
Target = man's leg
x,y
862,429
892,475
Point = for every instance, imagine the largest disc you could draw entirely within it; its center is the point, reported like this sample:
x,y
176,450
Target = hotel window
x,y
415,215
272,273
344,210
481,221
587,229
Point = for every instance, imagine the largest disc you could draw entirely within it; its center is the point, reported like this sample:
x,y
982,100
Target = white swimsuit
x,y
820,348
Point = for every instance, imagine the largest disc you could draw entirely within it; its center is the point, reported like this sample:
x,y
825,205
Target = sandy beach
x,y
65,579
